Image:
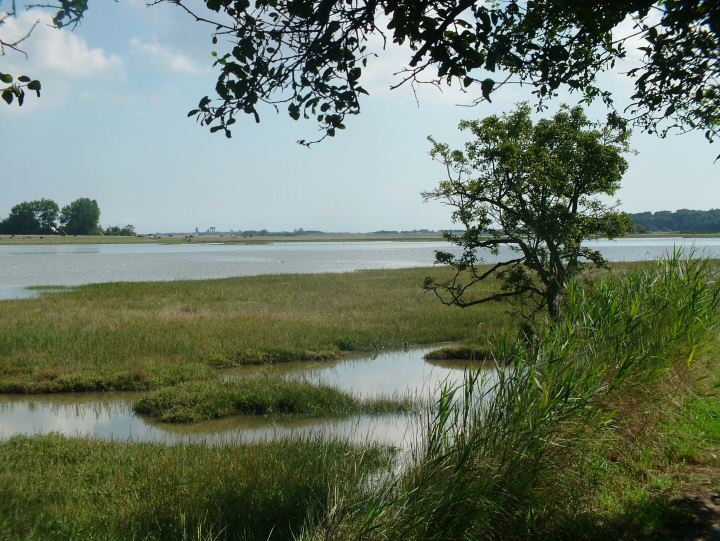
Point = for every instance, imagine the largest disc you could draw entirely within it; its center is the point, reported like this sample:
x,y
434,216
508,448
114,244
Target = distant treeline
x,y
302,232
45,217
681,221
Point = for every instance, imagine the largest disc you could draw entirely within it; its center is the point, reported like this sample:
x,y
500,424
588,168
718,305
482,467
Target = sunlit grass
x,y
196,401
57,488
580,433
146,335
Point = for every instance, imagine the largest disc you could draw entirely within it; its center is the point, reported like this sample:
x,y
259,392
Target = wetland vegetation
x,y
592,428
589,431
196,401
53,487
142,336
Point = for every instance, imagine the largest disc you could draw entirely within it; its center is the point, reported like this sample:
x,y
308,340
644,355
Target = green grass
x,y
464,352
138,336
198,401
57,488
578,436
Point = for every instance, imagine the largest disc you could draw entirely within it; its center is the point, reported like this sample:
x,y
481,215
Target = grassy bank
x,y
53,487
464,352
138,336
182,238
580,434
198,401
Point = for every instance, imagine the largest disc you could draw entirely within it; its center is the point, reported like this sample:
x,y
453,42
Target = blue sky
x,y
111,125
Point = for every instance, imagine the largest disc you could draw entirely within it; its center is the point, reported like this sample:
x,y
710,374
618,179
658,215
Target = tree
x,y
12,89
46,212
81,217
536,189
117,231
31,218
309,55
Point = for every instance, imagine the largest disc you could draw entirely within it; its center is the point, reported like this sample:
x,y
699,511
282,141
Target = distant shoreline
x,y
7,240
212,239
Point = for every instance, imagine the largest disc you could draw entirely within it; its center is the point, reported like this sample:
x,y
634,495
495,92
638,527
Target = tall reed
x,y
495,459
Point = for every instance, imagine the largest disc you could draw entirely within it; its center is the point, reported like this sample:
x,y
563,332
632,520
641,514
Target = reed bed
x,y
53,487
140,336
528,455
197,401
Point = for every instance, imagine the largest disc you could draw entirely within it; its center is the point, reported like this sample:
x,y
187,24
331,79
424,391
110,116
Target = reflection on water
x,y
110,415
23,266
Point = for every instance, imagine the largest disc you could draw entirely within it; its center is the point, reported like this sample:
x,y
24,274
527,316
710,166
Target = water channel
x,y
22,266
110,416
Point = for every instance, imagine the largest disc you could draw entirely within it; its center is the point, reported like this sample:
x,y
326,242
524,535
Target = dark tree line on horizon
x,y
681,221
45,217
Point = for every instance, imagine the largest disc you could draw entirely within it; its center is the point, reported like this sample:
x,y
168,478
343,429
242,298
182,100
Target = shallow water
x,y
110,416
73,264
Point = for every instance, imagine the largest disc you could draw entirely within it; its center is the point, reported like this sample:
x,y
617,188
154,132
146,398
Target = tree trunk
x,y
553,296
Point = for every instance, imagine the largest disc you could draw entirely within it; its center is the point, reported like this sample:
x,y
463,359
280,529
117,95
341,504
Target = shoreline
x,y
51,240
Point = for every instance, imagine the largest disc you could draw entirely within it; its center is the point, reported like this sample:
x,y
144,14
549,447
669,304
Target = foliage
x,y
191,402
81,217
534,190
502,456
32,218
309,56
683,220
69,12
117,231
56,488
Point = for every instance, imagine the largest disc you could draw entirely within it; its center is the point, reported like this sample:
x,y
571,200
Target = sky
x,y
112,125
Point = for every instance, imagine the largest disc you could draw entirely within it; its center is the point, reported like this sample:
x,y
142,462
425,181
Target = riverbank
x,y
594,430
184,238
603,427
147,335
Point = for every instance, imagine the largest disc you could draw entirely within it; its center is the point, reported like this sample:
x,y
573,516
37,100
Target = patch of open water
x,y
22,266
110,416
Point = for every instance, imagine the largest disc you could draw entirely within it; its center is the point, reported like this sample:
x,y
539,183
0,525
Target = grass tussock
x,y
197,401
462,352
52,487
131,335
583,410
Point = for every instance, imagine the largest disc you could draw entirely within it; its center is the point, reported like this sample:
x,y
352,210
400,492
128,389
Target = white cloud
x,y
172,60
55,52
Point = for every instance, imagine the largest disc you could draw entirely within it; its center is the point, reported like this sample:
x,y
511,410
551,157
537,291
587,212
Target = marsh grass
x,y
53,487
461,352
197,401
138,336
523,457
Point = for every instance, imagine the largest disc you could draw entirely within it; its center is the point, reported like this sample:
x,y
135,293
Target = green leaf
x,y
8,95
486,87
6,78
24,79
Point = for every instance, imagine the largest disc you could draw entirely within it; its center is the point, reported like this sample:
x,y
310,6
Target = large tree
x,y
67,13
81,217
530,193
31,218
309,55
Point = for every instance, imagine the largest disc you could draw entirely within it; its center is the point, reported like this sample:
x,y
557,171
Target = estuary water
x,y
110,415
22,266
